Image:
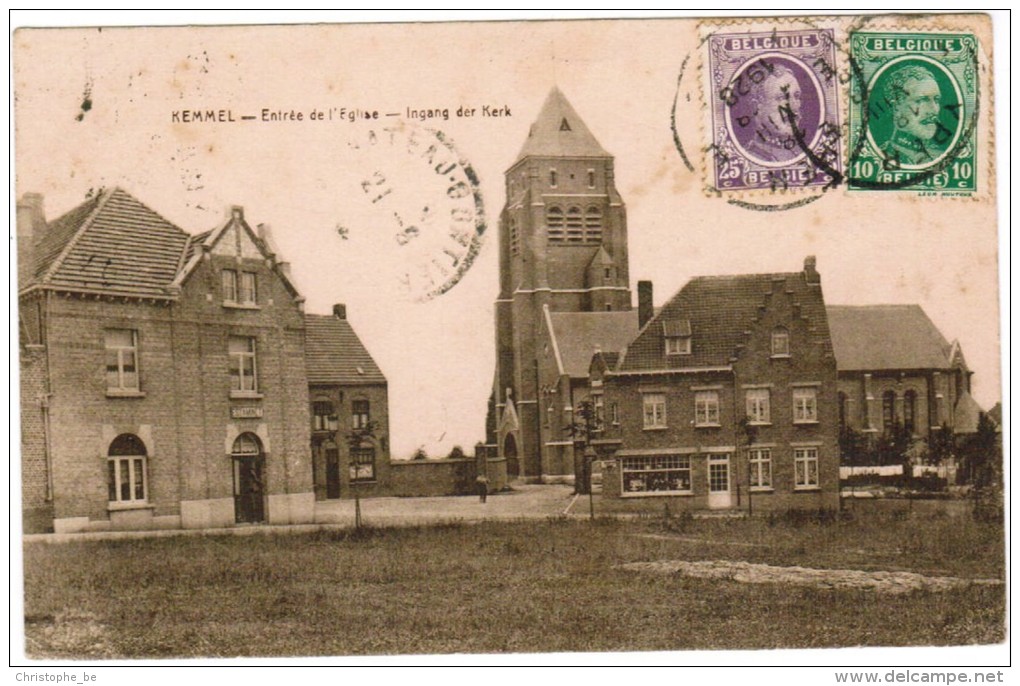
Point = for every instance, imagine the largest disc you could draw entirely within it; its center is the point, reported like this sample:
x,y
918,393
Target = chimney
x,y
31,225
266,236
811,274
340,311
645,310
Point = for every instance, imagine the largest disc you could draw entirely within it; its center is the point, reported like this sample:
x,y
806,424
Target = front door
x,y
719,481
249,493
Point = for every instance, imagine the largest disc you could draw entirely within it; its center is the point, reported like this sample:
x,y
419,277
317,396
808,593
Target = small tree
x,y
941,445
982,454
356,439
420,454
585,425
457,453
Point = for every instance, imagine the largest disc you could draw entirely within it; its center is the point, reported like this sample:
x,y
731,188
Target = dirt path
x,y
751,573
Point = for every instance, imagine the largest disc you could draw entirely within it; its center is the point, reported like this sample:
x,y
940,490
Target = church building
x,y
564,289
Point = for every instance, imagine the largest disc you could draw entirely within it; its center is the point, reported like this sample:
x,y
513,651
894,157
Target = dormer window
x,y
780,342
677,335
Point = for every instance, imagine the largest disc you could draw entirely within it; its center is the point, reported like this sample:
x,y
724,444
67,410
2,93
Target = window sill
x,y
652,494
123,393
806,422
762,489
780,357
655,428
806,489
246,395
365,482
129,505
759,423
708,426
240,306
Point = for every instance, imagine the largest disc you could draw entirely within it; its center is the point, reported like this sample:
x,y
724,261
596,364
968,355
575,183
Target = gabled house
x,y
349,409
164,378
728,390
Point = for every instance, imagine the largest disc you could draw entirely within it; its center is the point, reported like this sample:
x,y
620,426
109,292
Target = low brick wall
x,y
412,478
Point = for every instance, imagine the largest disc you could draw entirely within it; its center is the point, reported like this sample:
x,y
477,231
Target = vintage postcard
x,y
536,337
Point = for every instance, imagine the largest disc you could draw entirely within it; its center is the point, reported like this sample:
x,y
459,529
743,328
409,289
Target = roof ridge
x,y
104,197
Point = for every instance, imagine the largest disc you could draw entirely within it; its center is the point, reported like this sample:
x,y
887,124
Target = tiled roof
x,y
719,312
59,233
559,132
194,243
886,337
111,243
578,334
335,355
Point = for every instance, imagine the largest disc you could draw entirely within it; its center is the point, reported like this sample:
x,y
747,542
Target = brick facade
x,y
153,394
562,248
671,419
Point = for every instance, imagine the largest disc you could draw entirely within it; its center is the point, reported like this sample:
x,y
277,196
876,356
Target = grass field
x,y
505,587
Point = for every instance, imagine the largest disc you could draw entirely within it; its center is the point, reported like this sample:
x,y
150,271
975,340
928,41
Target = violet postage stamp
x,y
775,118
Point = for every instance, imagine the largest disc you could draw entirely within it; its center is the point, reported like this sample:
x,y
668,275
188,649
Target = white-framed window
x,y
678,345
324,417
360,414
249,292
805,405
780,342
656,474
760,460
614,413
243,369
758,401
706,408
362,466
654,410
126,467
805,468
239,288
121,359
229,279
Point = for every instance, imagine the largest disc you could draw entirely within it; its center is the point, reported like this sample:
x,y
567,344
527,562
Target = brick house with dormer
x,y
729,388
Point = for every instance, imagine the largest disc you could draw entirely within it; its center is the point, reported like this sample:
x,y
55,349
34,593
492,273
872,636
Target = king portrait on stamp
x,y
914,96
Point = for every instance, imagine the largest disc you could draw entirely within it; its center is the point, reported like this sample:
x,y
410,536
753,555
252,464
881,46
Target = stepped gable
x,y
335,355
559,132
720,313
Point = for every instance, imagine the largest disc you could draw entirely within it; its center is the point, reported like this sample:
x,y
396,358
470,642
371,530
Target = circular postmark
x,y
417,201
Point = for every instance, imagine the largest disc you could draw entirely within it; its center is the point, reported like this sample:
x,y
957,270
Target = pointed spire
x,y
559,132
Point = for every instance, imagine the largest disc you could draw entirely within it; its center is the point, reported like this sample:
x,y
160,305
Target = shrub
x,y
420,454
456,454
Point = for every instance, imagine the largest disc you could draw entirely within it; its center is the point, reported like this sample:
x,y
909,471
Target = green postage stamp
x,y
913,112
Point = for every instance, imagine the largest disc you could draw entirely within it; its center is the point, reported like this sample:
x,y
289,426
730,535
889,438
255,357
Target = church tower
x,y
562,248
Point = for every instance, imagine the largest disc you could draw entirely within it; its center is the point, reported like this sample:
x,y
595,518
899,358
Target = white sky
x,y
302,178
